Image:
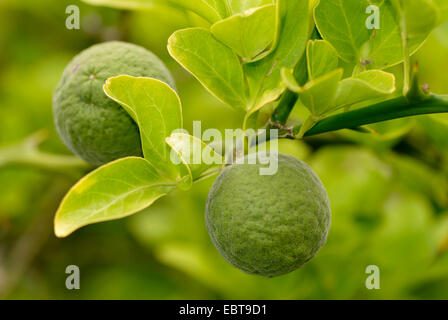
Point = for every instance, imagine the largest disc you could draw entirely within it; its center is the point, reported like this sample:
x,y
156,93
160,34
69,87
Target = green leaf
x,y
290,81
421,17
248,33
350,33
157,110
239,6
442,5
215,65
343,24
264,76
364,86
124,4
318,95
210,10
328,93
322,58
195,154
114,191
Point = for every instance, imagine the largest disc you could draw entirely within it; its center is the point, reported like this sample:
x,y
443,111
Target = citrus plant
x,y
257,57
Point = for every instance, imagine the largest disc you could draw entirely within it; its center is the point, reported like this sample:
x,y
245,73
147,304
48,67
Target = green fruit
x,y
91,125
268,225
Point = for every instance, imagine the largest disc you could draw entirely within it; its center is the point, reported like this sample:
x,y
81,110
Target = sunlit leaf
x,y
264,76
318,95
198,156
239,6
156,108
114,191
124,4
215,65
442,5
211,10
290,81
421,17
322,58
343,24
364,86
248,33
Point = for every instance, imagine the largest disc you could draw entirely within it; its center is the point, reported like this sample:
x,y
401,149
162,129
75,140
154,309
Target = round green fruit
x,y
268,225
90,124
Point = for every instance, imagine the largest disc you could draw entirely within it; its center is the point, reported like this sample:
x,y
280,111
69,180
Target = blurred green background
x,y
388,191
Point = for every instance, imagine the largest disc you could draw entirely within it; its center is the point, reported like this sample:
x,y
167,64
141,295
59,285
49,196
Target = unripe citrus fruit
x,y
91,125
268,225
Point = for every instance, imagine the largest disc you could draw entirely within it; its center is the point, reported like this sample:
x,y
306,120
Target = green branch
x,y
286,104
388,110
27,153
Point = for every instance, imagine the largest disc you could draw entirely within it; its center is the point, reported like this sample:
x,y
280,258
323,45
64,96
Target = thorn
x,y
289,130
367,130
416,91
415,69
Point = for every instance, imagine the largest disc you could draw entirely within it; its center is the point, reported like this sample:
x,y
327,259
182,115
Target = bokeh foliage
x,y
388,191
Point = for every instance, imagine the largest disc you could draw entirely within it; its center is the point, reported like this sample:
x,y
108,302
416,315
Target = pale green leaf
x,y
290,81
343,24
215,65
157,110
124,4
210,10
239,6
114,191
264,76
196,155
322,58
442,5
249,33
364,86
318,95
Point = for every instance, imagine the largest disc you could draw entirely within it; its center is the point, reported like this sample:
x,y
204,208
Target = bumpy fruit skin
x,y
90,124
268,225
